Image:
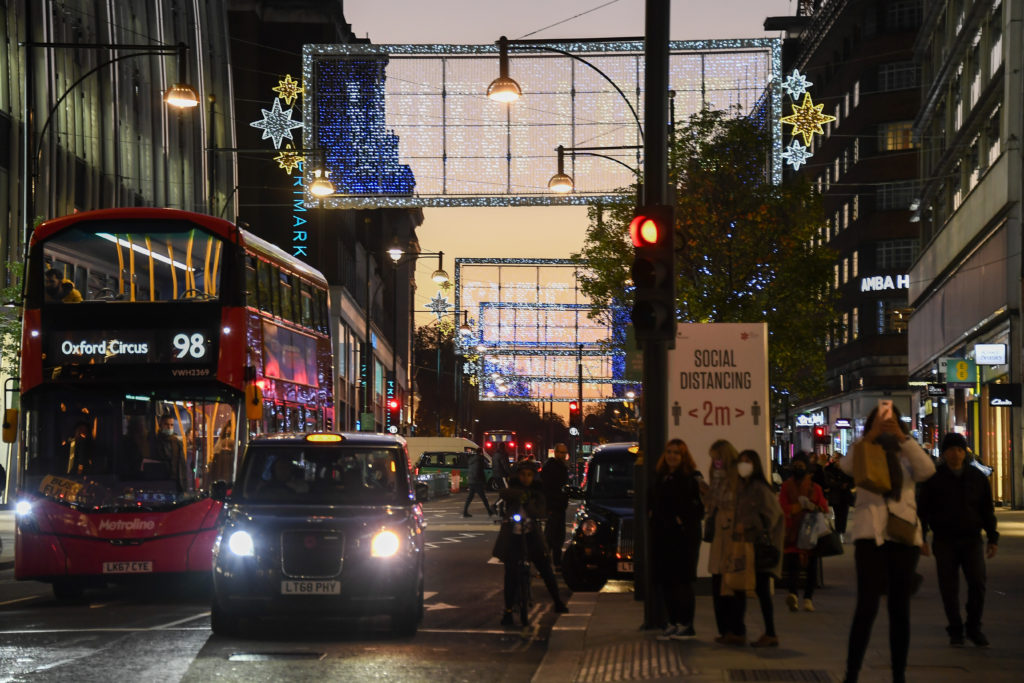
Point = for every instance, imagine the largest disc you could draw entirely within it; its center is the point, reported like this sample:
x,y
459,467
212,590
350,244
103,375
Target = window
x,y
856,94
854,324
251,295
898,76
992,135
854,263
896,135
895,196
856,207
856,150
902,15
285,288
846,270
263,273
835,273
846,328
895,254
893,316
995,39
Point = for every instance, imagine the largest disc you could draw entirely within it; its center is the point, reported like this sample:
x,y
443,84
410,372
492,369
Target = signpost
x,y
718,388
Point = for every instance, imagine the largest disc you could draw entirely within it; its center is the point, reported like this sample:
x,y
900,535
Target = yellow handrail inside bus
x,y
206,266
216,267
120,266
152,289
131,268
174,274
190,276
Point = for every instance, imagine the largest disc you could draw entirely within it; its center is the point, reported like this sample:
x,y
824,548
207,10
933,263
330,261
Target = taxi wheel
x,y
578,580
223,622
67,590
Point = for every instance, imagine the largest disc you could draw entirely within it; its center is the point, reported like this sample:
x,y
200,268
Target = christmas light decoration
x,y
807,119
439,305
277,124
796,155
288,90
289,159
796,84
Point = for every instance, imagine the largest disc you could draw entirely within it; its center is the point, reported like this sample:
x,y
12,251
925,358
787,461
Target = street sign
x,y
936,390
961,371
718,388
1004,395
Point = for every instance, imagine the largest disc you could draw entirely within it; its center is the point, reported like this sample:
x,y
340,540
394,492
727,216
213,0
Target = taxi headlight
x,y
240,543
22,508
589,527
384,544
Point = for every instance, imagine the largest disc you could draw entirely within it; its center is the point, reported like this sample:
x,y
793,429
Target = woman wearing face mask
x,y
676,512
800,495
758,516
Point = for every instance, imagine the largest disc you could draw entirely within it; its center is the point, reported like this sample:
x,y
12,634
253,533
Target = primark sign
x,y
881,283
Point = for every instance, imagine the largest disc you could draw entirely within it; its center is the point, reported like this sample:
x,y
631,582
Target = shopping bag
x,y
807,535
740,576
870,467
829,543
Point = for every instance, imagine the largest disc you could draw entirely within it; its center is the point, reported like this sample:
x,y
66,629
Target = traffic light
x,y
820,435
391,422
574,408
652,232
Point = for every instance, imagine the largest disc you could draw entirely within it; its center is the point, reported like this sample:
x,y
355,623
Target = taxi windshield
x,y
610,478
323,475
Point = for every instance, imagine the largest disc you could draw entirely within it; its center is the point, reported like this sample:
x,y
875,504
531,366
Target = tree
x,y
433,363
10,318
746,250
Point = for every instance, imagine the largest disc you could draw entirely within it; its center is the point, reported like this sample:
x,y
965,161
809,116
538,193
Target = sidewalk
x,y
7,538
600,640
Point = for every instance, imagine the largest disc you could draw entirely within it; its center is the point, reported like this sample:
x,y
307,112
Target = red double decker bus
x,y
148,335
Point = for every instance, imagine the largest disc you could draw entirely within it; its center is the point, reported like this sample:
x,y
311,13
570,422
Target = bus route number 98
x,y
193,345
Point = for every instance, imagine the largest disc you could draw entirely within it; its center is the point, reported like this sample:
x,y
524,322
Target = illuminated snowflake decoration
x,y
807,119
289,90
289,159
796,84
796,155
439,305
277,124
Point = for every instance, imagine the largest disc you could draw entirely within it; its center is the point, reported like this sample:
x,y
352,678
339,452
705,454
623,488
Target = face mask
x,y
167,432
745,469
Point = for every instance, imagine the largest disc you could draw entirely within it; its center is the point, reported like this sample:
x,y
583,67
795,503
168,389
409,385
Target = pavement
x,y
6,538
601,638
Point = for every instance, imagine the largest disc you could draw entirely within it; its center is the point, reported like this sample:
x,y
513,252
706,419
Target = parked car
x,y
601,544
446,461
322,525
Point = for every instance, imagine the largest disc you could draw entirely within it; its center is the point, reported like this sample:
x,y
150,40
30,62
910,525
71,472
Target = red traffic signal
x,y
653,273
821,435
644,230
393,404
574,407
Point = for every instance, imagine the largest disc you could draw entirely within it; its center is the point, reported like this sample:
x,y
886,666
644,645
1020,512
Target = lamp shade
x,y
182,96
561,182
504,89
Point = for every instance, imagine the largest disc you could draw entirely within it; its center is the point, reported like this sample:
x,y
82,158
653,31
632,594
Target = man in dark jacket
x,y
476,482
956,504
553,479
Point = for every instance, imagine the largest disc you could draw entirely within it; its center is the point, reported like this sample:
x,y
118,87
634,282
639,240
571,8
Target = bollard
x,y
455,481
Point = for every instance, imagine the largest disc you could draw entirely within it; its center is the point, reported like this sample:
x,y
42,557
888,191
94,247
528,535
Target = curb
x,y
565,648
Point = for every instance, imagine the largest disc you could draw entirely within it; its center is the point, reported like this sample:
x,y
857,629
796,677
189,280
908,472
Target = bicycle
x,y
523,597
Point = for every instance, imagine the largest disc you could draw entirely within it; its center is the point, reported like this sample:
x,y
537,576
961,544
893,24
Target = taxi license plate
x,y
310,587
137,567
625,567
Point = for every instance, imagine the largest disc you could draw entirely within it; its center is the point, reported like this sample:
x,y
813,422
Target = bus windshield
x,y
114,451
129,261
323,475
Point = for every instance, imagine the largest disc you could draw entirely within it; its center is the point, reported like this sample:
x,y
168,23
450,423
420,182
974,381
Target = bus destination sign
x,y
127,347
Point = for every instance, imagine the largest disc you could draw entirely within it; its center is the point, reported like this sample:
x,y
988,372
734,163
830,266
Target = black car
x,y
601,545
321,525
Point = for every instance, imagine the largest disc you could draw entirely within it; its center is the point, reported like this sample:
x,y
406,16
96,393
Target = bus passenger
x,y
59,289
171,452
81,450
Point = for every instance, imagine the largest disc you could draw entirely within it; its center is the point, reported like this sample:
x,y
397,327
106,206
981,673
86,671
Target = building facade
x,y
965,285
859,59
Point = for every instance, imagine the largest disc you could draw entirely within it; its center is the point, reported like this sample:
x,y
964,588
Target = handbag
x,y
829,543
900,530
870,467
766,553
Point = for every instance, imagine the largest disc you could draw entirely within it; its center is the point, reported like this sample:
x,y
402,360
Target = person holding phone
x,y
883,563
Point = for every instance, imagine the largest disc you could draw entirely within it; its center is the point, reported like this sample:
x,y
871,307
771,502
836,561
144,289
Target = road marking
x,y
36,631
439,605
172,624
429,594
466,631
26,598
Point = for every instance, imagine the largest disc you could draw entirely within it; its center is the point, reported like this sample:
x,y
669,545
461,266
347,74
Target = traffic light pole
x,y
655,352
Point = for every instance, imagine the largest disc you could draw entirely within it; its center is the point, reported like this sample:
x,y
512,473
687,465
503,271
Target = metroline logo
x,y
127,525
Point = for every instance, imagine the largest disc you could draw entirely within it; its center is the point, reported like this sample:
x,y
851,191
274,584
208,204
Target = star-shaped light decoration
x,y
289,159
439,305
796,155
288,90
277,124
807,119
796,84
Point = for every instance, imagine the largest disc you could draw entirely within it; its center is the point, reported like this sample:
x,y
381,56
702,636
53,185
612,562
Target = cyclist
x,y
521,533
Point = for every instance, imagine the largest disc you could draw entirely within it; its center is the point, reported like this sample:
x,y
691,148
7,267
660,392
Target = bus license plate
x,y
625,567
138,567
310,587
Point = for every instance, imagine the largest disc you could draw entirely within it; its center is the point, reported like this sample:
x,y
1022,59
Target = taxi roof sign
x,y
323,438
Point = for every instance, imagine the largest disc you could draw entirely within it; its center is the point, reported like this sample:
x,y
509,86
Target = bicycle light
x,y
517,518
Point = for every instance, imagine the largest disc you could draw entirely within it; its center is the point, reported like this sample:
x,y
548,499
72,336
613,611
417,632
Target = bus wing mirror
x,y
10,425
219,490
253,402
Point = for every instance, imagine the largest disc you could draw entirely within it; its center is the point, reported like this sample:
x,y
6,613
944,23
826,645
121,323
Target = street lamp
x,y
180,96
321,185
562,182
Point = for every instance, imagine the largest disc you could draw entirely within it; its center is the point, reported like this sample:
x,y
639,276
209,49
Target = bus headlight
x,y
22,508
589,527
384,544
240,543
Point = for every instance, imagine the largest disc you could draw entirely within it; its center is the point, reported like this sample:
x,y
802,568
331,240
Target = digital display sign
x,y
176,346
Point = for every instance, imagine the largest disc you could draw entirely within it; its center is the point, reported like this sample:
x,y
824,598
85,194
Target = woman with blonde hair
x,y
676,512
720,503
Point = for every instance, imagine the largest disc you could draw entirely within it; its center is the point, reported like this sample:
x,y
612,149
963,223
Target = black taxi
x,y
601,544
320,525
